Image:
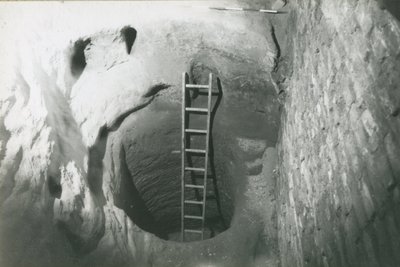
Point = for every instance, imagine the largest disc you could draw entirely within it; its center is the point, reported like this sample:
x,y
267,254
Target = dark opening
x,y
55,188
78,60
393,6
149,189
131,202
129,36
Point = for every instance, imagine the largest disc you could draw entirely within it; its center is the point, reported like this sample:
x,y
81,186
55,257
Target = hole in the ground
x,y
151,197
150,187
129,36
148,166
78,60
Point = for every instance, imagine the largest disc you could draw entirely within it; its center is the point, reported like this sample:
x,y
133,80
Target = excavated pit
x,y
90,133
149,157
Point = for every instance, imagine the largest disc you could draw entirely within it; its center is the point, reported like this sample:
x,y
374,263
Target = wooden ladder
x,y
187,150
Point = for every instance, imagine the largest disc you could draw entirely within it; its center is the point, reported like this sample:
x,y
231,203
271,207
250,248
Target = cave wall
x,y
73,81
336,66
339,199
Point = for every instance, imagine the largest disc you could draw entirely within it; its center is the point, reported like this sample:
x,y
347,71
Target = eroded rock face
x,y
92,114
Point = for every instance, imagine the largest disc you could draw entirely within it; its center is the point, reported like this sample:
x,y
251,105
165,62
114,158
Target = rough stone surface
x,y
90,129
339,148
90,126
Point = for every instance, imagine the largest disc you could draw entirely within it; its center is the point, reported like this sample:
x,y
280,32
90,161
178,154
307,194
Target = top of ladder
x,y
197,86
189,86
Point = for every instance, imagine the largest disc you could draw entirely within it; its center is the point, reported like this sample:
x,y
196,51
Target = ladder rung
x,y
197,109
194,186
193,217
196,131
195,169
190,150
193,202
193,231
196,86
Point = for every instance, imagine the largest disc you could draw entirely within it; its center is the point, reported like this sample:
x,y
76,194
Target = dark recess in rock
x,y
129,36
212,155
55,188
78,60
393,6
278,48
396,112
129,199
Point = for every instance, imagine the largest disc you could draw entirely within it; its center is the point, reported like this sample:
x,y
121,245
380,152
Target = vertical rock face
x,y
339,195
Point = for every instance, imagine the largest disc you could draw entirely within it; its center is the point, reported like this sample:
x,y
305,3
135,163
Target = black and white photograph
x,y
242,133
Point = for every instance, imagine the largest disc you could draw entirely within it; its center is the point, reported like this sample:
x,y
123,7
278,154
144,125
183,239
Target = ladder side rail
x,y
183,145
206,156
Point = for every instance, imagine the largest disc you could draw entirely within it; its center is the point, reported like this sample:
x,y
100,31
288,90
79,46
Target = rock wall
x,y
89,129
339,195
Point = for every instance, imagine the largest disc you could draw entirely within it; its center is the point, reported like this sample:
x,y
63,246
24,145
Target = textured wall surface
x,y
90,126
83,114
339,202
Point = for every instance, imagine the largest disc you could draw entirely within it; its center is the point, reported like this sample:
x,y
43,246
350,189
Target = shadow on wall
x,y
131,202
393,6
211,154
78,60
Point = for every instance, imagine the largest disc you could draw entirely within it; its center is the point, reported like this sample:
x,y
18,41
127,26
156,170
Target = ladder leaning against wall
x,y
185,150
